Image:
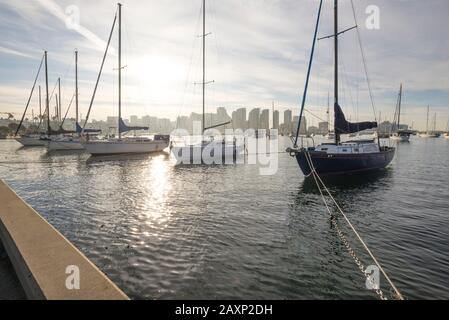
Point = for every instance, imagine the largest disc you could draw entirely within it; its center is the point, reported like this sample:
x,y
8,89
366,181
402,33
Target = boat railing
x,y
306,142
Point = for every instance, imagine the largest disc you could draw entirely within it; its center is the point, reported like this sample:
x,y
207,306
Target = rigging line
x,y
53,91
101,69
339,232
308,73
364,62
360,238
189,70
65,116
314,115
31,95
346,83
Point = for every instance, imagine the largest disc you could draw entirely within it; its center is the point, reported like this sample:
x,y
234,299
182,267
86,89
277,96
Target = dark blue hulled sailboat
x,y
339,158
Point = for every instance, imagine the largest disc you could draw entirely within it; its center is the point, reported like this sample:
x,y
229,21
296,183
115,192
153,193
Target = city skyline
x,y
242,119
162,62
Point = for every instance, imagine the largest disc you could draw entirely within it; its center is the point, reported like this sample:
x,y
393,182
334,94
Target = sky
x,y
257,54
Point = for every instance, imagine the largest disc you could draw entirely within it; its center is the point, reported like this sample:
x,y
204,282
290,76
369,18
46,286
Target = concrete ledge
x,y
40,256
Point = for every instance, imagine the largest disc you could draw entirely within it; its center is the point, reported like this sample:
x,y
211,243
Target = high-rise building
x,y
323,127
303,128
239,119
276,120
253,119
288,122
264,121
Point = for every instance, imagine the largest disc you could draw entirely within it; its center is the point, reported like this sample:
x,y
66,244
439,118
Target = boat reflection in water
x,y
127,157
365,181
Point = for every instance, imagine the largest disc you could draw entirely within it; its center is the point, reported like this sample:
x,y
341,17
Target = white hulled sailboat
x,y
121,145
212,149
339,157
35,139
400,134
429,134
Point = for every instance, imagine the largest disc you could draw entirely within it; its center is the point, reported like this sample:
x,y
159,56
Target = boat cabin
x,y
349,147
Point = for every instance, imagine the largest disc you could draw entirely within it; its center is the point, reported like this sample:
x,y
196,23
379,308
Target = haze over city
x,y
257,53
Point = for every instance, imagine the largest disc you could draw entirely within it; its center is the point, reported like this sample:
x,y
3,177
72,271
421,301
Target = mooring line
x,y
319,181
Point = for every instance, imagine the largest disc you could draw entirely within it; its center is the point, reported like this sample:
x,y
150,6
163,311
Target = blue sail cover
x,y
79,129
124,128
342,126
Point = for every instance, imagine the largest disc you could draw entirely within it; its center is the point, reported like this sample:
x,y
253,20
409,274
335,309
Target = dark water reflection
x,y
161,231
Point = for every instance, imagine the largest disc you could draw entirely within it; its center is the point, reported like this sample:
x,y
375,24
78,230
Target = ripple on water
x,y
225,232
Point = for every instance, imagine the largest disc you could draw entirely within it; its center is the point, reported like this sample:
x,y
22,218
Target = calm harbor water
x,y
225,232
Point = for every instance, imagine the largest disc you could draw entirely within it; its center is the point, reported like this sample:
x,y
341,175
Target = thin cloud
x,y
15,52
59,13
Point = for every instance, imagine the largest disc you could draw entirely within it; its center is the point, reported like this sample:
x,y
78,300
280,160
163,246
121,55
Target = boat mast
x,y
427,124
47,104
337,135
40,106
434,123
59,101
204,67
399,107
119,67
328,113
76,87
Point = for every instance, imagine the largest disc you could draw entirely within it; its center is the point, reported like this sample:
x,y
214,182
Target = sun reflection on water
x,y
157,187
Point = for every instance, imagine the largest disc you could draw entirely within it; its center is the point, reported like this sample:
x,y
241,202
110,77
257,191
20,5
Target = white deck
x,y
350,147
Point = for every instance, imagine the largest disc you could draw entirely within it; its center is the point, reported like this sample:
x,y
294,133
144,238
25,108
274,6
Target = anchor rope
x,y
319,182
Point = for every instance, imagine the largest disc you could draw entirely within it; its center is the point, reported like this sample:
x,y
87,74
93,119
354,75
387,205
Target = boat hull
x,y
32,141
401,138
102,148
429,135
327,164
65,145
206,153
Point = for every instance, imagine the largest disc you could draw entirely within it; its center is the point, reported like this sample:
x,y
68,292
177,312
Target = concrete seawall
x,y
47,265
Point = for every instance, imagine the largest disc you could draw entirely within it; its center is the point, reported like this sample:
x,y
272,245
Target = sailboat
x,y
400,134
35,139
339,157
70,140
446,134
121,145
214,149
429,134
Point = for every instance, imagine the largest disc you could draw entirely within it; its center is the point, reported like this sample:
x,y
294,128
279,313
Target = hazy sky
x,y
257,53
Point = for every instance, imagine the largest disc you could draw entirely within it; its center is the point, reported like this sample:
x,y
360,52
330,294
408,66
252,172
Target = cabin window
x,y
345,150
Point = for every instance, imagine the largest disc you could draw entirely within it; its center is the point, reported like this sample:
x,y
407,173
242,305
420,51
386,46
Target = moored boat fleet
x,y
355,155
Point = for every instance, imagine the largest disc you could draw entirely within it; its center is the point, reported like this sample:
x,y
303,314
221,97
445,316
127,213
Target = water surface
x,y
226,232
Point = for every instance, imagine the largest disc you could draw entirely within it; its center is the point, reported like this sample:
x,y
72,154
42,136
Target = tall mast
x,y
399,107
119,67
59,101
76,86
204,65
40,105
427,124
57,108
328,113
47,105
337,135
435,123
